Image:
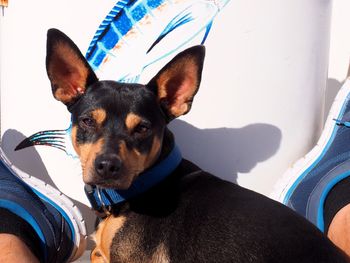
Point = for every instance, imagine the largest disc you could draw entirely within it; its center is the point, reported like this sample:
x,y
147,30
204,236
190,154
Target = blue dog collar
x,y
101,199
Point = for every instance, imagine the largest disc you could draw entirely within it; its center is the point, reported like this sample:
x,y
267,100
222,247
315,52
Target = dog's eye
x,y
142,128
87,122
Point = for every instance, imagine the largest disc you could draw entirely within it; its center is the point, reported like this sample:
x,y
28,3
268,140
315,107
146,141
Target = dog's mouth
x,y
110,184
122,182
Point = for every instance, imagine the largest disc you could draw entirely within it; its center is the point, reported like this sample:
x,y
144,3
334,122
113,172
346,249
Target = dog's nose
x,y
107,165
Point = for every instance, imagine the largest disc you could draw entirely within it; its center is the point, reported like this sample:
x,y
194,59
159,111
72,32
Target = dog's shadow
x,y
226,152
222,151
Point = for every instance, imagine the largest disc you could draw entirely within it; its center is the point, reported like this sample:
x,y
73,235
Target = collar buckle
x,y
94,196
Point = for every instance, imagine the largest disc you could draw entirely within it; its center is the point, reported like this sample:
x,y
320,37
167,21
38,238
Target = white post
x,y
264,80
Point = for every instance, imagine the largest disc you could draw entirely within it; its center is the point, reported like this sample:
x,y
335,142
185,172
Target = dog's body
x,y
193,216
119,131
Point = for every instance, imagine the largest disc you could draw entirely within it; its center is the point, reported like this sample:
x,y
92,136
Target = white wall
x,y
259,108
339,54
264,81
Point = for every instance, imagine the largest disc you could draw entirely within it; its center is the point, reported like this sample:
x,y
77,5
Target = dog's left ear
x,y
178,81
69,72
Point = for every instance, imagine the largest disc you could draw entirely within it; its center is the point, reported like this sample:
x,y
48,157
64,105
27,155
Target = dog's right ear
x,y
177,82
67,68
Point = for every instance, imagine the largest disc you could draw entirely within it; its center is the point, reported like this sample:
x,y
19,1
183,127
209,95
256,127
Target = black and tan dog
x,y
178,213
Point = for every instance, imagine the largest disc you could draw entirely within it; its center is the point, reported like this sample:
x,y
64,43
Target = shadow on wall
x,y
226,152
332,88
30,162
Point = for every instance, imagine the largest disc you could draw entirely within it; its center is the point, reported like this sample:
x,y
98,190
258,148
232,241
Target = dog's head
x,y
117,128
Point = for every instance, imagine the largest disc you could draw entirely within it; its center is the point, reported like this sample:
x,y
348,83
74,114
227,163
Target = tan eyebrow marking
x,y
99,115
131,121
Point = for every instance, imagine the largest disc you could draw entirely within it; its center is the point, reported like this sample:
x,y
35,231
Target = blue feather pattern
x,y
127,27
123,16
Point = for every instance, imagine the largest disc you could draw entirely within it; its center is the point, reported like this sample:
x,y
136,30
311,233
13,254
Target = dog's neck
x,y
167,145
